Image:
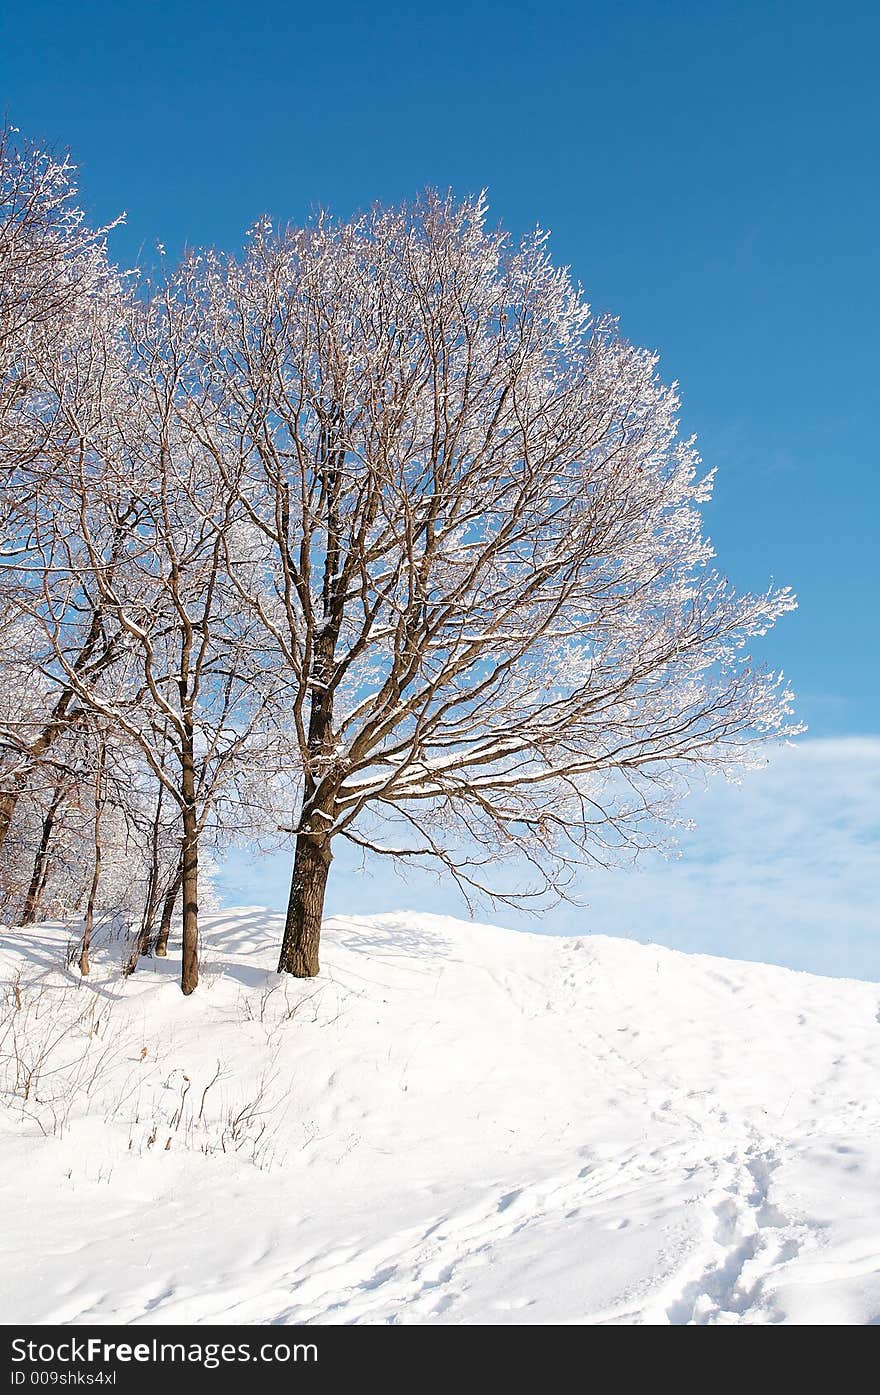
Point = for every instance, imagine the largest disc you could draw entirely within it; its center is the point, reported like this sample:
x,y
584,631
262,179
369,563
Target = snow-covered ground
x,y
454,1124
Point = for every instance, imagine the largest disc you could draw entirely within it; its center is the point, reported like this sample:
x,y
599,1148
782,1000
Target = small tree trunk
x,y
313,855
44,878
144,942
142,945
153,884
189,967
41,864
302,930
161,949
84,965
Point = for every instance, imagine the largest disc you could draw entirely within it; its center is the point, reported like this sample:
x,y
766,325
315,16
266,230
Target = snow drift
x,y
454,1124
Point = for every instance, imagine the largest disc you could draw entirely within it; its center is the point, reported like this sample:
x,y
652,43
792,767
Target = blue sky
x,y
709,172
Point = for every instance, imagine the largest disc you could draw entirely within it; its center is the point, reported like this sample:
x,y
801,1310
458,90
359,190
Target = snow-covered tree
x,y
53,272
133,538
470,530
377,524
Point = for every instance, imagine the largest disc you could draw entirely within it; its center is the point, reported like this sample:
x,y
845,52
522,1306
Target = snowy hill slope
x,y
454,1124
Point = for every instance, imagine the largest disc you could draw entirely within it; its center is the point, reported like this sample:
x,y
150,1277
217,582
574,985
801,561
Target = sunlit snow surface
x,y
453,1124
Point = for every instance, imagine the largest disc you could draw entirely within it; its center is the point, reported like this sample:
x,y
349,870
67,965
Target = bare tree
x,y
474,544
378,522
52,269
136,535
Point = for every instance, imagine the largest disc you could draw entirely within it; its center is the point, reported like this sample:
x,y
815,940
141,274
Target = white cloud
x,y
784,868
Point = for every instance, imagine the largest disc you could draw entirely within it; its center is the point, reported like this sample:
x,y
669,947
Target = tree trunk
x,y
84,965
189,968
161,949
41,865
44,877
313,855
144,942
302,930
